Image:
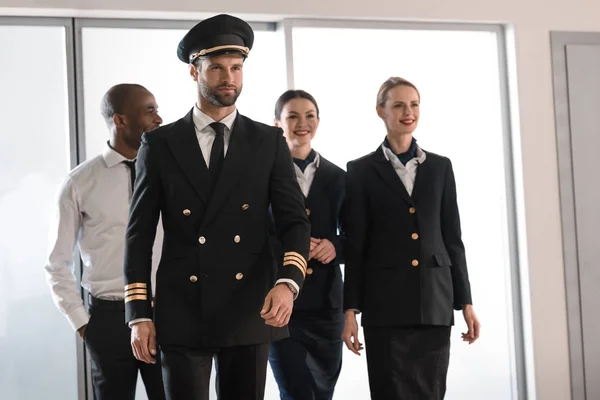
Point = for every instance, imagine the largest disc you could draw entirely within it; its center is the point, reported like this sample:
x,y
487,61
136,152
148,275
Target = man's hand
x,y
472,323
321,250
81,331
278,306
143,341
350,333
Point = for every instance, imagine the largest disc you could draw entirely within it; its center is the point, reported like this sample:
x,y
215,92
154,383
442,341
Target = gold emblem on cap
x,y
204,52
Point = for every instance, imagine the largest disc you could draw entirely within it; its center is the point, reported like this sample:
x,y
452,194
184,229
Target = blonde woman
x,y
405,268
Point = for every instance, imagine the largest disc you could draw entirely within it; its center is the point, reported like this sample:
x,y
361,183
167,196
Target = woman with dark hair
x,y
405,268
307,364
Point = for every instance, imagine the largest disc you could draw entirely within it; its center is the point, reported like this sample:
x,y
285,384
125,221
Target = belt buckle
x,y
89,303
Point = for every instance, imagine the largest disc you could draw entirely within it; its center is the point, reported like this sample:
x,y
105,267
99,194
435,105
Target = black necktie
x,y
217,153
131,165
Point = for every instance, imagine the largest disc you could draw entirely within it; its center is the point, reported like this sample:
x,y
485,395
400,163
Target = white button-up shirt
x,y
92,214
206,134
306,178
407,173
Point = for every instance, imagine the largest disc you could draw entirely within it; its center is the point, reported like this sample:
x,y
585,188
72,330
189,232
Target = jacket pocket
x,y
442,260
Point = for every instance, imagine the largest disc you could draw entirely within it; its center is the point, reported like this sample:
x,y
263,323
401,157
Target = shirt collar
x,y
389,154
317,160
314,165
111,157
202,120
307,161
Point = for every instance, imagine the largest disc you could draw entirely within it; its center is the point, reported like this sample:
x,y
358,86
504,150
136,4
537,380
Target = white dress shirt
x,y
206,134
306,178
407,173
92,214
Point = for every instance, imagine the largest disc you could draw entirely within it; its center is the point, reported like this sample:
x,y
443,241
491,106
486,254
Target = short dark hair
x,y
290,95
198,63
116,98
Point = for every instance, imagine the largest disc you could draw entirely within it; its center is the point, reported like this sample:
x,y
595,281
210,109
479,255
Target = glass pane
x,y
37,343
458,78
148,57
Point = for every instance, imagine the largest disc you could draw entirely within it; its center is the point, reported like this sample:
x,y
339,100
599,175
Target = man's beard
x,y
218,99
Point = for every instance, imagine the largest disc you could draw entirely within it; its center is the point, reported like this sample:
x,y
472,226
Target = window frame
x,y
521,339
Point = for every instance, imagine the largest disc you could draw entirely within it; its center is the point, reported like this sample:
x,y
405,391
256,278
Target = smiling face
x,y
400,112
139,115
299,121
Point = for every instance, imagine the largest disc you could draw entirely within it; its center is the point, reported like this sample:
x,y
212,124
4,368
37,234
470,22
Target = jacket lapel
x,y
388,174
186,150
241,144
423,176
323,176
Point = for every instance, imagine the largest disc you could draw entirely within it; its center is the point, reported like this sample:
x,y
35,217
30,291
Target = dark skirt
x,y
407,363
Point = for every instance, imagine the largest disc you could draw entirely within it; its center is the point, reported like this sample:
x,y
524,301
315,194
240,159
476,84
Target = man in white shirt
x,y
93,209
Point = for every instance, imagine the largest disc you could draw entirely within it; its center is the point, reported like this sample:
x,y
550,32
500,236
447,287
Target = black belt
x,y
95,302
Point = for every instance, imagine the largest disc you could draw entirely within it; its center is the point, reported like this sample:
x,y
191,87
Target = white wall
x,y
532,20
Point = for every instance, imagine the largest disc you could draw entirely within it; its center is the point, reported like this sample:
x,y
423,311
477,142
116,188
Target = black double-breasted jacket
x,y
217,265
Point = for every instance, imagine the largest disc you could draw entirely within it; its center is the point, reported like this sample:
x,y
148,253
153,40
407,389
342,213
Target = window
x,y
342,65
148,57
36,341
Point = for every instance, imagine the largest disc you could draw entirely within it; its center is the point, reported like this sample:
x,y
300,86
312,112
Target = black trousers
x,y
241,372
113,366
407,363
307,364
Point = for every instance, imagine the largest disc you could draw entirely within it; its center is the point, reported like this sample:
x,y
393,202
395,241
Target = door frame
x,y
559,42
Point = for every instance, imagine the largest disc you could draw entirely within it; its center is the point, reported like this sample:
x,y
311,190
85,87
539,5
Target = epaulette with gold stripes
x,y
136,291
296,259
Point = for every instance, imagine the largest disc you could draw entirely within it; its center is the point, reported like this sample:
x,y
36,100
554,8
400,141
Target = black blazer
x,y
322,288
405,260
216,266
